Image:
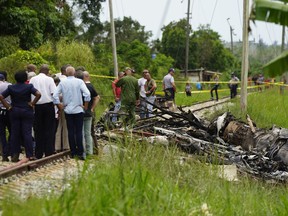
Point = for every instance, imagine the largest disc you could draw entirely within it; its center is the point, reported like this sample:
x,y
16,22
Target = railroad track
x,y
39,177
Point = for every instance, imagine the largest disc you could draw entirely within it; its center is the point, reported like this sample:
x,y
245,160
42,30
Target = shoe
x,y
15,158
5,159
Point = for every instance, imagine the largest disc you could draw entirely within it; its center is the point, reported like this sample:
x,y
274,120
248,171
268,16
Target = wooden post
x,y
113,39
245,46
187,40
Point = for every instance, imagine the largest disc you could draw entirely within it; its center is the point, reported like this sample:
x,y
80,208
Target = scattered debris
x,y
259,152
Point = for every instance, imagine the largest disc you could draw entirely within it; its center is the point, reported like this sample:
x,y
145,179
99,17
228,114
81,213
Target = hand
x,y
60,106
137,102
31,104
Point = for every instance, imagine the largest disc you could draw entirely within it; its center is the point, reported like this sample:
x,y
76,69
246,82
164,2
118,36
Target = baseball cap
x,y
2,77
171,69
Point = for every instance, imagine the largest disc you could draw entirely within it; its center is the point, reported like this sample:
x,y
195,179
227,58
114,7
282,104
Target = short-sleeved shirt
x,y
168,80
3,86
129,89
93,94
141,83
117,89
45,85
20,94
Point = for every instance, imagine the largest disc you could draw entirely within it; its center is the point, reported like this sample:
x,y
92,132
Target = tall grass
x,y
150,180
266,108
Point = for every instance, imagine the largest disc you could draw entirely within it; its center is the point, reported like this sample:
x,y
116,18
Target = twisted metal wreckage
x,y
262,153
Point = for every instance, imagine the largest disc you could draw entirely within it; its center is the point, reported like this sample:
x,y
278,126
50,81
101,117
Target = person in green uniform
x,y
129,96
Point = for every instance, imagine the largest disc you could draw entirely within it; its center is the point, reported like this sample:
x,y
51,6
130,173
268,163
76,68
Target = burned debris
x,y
262,153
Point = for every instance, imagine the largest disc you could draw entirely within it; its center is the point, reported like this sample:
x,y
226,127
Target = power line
x,y
163,18
213,12
239,14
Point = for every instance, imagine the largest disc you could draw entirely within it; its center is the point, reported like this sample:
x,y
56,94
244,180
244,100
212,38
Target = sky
x,y
154,14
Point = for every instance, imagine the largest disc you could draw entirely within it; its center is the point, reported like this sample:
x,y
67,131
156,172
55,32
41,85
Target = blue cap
x,y
171,69
2,77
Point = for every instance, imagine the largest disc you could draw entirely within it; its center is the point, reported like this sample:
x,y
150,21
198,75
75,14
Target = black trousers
x,y
233,91
215,88
5,123
169,93
44,128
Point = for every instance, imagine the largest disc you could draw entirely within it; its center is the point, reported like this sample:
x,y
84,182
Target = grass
x,y
147,180
150,180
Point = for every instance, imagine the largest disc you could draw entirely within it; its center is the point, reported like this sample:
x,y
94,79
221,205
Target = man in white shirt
x,y
61,136
74,91
169,86
44,122
141,84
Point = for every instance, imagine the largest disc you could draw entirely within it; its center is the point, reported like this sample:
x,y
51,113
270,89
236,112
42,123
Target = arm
x,y
95,102
4,102
56,97
114,90
37,95
86,94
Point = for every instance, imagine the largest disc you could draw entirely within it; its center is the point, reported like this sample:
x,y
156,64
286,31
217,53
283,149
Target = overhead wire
x,y
239,14
163,18
213,12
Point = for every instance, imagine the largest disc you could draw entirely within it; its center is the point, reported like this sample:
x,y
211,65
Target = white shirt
x,y
168,80
141,84
3,86
45,85
61,76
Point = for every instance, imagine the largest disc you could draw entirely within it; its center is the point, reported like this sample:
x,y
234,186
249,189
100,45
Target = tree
x,y
35,21
173,42
88,13
135,54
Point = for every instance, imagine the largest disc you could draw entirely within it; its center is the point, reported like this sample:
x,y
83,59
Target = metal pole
x,y
244,72
113,39
231,34
187,40
283,39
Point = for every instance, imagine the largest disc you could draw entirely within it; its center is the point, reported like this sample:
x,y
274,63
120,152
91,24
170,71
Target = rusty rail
x,y
31,165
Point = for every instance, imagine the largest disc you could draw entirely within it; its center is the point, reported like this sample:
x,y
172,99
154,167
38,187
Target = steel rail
x,y
20,168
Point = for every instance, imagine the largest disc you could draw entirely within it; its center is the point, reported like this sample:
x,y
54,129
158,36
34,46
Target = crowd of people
x,y
130,93
46,114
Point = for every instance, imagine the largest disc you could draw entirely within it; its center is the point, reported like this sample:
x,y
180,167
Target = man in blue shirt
x,y
72,90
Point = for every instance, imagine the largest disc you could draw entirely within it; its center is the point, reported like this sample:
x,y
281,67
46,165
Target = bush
x,y
8,45
19,61
76,54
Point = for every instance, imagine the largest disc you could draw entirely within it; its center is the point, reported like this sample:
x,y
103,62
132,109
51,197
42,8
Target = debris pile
x,y
261,153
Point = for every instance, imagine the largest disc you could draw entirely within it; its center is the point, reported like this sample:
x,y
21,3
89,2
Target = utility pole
x,y
113,39
245,46
231,34
283,39
187,40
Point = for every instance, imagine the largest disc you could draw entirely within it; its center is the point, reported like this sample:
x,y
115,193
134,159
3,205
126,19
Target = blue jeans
x,y
143,110
150,99
87,135
116,109
5,123
75,133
